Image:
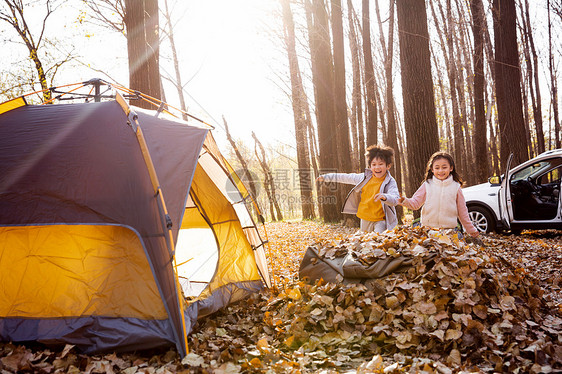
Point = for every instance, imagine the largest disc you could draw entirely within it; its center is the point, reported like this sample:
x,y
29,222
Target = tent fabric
x,y
100,206
101,267
12,104
90,334
230,293
236,265
236,192
82,164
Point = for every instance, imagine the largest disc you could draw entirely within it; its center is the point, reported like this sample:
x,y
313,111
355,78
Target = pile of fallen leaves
x,y
474,308
37,359
468,309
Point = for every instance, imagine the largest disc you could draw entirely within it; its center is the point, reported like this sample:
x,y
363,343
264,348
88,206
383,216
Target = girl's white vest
x,y
440,208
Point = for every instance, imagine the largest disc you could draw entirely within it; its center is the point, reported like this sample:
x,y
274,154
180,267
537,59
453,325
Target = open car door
x,y
504,196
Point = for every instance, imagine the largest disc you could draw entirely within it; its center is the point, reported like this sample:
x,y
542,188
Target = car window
x,y
530,170
553,176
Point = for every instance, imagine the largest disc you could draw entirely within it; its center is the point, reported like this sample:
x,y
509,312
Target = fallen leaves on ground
x,y
495,308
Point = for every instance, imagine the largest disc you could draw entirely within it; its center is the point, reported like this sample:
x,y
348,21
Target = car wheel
x,y
481,219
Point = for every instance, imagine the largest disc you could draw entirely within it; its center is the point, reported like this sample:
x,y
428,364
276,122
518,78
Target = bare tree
x,y
269,183
340,103
323,81
536,93
138,20
177,82
371,121
392,133
243,163
508,83
417,88
448,54
553,84
13,13
481,161
299,114
141,21
357,107
446,128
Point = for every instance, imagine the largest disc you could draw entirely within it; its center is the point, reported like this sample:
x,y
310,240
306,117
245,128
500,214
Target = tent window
x,y
196,256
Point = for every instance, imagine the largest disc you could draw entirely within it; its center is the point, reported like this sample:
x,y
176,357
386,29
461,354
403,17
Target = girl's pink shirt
x,y
416,202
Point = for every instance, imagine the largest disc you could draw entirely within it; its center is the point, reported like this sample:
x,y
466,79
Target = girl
x,y
375,195
441,196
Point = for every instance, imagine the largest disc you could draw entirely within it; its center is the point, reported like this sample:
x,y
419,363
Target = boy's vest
x,y
440,208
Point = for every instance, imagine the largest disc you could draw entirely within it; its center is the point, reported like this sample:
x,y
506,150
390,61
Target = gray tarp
x,y
315,267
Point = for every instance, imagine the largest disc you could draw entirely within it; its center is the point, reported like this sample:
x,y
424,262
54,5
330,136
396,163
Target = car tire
x,y
481,219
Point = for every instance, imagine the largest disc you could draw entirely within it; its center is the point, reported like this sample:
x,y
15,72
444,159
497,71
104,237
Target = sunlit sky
x,y
230,58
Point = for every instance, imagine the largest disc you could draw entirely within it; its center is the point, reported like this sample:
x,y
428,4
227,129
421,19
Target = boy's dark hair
x,y
383,152
449,158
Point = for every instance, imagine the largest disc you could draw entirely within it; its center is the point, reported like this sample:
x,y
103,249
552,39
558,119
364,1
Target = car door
x,y
548,191
533,194
504,196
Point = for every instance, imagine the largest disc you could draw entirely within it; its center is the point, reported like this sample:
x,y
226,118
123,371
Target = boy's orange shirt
x,y
369,209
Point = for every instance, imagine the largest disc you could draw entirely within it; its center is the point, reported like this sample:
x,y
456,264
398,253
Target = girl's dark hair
x,y
379,151
449,158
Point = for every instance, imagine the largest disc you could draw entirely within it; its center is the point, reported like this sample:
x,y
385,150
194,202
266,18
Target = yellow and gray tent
x,y
108,213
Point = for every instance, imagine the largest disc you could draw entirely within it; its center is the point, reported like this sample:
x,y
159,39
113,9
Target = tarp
x,y
346,269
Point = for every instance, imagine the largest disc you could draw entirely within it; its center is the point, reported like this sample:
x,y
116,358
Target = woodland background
x,y
476,78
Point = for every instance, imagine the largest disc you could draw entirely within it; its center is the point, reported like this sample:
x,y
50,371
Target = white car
x,y
525,197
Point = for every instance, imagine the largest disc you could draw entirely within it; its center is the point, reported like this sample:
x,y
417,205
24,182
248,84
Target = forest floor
x,y
490,308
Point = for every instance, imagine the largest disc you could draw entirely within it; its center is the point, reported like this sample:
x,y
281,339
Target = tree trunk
x,y
481,154
448,54
525,80
323,81
536,93
417,89
359,94
360,116
464,83
356,106
553,82
269,182
143,59
340,103
494,140
444,107
152,31
299,115
371,117
391,131
243,163
342,126
178,83
312,146
508,83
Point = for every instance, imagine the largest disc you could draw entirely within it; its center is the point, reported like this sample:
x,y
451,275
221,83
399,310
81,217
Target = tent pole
x,y
166,222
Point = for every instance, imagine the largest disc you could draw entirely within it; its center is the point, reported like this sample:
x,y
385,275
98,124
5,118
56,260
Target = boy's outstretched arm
x,y
346,178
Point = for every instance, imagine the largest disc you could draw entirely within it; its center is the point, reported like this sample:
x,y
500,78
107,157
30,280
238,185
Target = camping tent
x,y
98,224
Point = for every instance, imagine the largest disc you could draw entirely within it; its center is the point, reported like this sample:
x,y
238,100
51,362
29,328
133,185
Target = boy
x,y
375,195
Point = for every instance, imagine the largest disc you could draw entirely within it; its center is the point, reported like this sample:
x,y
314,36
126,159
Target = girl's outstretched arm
x,y
416,201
